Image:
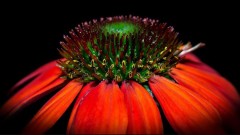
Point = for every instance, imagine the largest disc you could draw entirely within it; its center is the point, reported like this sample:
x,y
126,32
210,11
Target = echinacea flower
x,y
121,72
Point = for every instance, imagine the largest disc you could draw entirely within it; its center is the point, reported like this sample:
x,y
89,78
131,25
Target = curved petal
x,y
86,89
224,86
143,114
211,94
38,71
48,115
33,91
192,57
193,61
187,112
102,111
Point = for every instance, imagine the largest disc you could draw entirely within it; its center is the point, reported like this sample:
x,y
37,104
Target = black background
x,y
31,33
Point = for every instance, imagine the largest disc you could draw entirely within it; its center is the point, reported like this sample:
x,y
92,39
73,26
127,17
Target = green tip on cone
x,y
120,28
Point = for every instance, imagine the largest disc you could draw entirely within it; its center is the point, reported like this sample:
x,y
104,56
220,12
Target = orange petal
x,y
48,115
38,71
33,91
102,111
224,86
143,114
187,112
210,93
194,61
83,93
192,57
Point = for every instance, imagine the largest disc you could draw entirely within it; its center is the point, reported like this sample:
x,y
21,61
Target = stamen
x,y
188,50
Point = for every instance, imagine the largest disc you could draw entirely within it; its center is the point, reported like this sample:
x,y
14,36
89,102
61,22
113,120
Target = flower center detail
x,y
119,48
120,28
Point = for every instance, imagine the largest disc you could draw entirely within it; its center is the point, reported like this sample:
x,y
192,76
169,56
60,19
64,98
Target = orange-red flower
x,y
121,73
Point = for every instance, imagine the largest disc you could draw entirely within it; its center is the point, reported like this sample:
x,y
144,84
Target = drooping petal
x,y
38,71
84,92
143,114
210,93
192,57
187,112
48,115
223,85
101,111
33,91
193,61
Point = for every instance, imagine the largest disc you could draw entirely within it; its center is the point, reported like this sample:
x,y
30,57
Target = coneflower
x,y
121,72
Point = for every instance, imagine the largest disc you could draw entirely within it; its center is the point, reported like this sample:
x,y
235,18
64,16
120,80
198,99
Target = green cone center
x,y
120,28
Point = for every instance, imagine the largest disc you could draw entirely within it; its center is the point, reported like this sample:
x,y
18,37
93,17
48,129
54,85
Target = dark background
x,y
31,33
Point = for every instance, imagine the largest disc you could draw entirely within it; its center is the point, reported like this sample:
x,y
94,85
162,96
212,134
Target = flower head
x,y
123,71
119,48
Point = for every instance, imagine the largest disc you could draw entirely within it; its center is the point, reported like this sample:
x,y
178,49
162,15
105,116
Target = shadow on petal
x,y
102,111
49,114
187,112
143,114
